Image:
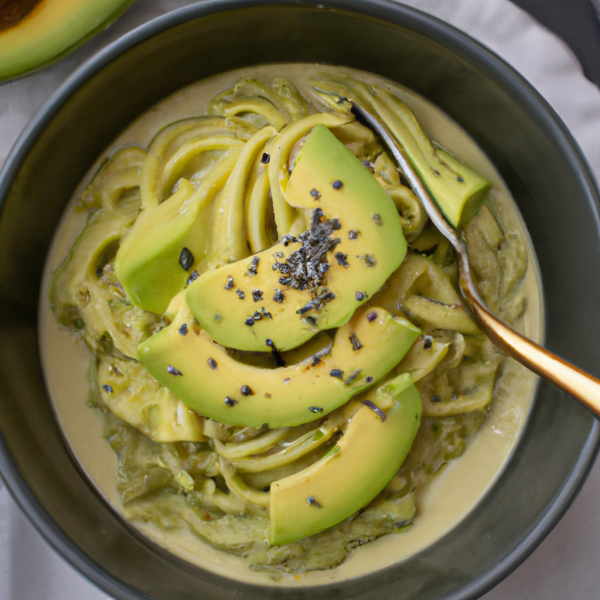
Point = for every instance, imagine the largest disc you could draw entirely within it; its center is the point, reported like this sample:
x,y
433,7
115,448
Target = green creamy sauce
x,y
170,460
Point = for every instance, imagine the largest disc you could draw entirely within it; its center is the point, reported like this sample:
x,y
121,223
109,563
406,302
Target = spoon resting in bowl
x,y
570,379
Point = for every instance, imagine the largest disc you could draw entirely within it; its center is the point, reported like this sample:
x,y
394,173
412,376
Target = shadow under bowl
x,y
534,153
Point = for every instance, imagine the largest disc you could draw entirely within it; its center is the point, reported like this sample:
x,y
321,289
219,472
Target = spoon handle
x,y
569,378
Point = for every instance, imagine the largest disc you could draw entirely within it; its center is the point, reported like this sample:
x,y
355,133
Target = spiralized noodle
x,y
178,468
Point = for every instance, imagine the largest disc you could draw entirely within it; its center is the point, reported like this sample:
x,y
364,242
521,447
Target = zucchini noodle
x,y
230,170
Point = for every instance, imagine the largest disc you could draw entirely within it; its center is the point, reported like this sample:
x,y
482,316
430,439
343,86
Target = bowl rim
x,y
395,13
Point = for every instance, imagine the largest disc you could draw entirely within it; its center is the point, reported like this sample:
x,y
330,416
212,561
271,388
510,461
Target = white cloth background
x,y
566,563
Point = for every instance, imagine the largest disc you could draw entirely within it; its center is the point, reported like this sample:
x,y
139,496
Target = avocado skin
x,y
283,396
31,44
370,453
360,204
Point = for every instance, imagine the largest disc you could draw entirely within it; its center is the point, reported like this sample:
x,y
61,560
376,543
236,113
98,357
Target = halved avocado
x,y
353,472
50,30
207,379
355,226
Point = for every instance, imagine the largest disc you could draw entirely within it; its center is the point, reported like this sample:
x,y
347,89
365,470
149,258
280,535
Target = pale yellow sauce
x,y
442,503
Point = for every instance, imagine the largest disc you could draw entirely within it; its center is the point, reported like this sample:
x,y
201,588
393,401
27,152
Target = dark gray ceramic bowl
x,y
535,154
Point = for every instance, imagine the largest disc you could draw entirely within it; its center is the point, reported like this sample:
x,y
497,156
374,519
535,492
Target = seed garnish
x,y
246,390
249,321
193,276
315,194
375,409
427,342
356,345
186,259
342,259
316,360
212,363
353,376
377,219
353,234
360,296
315,409
265,314
436,398
252,268
229,284
257,316
230,401
369,260
240,294
369,380
265,158
107,388
337,373
460,179
173,371
311,500
371,317
183,330
278,297
287,380
257,295
337,185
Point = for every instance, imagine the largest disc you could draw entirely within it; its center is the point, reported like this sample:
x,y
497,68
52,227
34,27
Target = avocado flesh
x,y
360,205
348,477
283,396
147,263
53,29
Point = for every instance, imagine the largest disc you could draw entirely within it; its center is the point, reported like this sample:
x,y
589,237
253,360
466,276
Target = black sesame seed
x,y
287,380
257,316
356,345
240,294
377,219
353,234
278,297
436,171
265,314
360,296
375,409
265,158
252,268
267,395
285,280
436,398
427,342
257,295
353,376
310,320
173,371
249,321
229,284
337,185
315,194
342,259
371,317
230,401
369,380
287,239
278,255
369,260
315,409
316,360
337,373
107,388
333,224
460,179
217,317
311,500
194,275
186,259
212,363
246,390
183,330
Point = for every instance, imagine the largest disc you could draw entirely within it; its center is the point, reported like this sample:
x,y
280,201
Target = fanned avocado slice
x,y
49,29
354,471
316,281
207,379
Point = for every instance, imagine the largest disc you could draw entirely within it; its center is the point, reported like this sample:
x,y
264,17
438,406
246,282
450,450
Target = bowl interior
x,y
533,152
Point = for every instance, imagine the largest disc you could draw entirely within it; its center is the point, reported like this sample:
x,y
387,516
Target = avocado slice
x,y
354,471
48,30
207,379
457,189
355,241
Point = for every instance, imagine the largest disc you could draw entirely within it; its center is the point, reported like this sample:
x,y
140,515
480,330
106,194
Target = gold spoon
x,y
577,383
